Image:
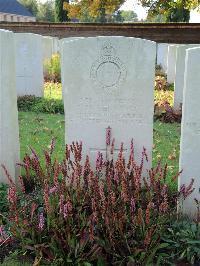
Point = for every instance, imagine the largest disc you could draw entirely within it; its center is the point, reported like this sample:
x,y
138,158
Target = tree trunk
x,y
60,13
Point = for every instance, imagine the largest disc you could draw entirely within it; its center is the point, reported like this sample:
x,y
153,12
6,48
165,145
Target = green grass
x,y
37,130
14,262
166,146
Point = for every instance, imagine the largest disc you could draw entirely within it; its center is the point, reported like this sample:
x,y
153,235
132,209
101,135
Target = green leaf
x,y
163,245
100,262
87,264
193,241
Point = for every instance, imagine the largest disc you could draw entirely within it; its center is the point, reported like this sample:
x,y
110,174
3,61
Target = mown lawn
x,y
166,146
37,130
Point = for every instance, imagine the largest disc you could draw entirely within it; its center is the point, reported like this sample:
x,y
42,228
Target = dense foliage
x,y
172,11
3,199
42,11
98,10
61,14
30,103
52,69
69,212
163,105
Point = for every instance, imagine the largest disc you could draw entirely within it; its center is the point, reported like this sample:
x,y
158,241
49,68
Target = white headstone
x,y
9,132
47,47
108,83
68,39
162,54
190,130
29,64
171,63
61,41
179,79
50,46
55,45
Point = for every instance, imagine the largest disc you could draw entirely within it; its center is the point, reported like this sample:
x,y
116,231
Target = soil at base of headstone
x,y
7,249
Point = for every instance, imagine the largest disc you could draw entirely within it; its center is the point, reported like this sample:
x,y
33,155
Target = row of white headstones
x,y
171,58
108,83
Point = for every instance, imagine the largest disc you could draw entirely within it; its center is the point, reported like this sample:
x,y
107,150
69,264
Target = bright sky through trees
x,y
128,5
132,5
141,12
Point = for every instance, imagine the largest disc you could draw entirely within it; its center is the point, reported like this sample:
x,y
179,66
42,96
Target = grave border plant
x,y
68,213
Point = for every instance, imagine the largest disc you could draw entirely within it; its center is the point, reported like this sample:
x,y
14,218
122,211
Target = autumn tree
x,y
98,10
172,10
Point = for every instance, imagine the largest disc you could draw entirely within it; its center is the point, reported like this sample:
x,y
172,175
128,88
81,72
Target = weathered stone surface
x,y
60,50
9,132
108,82
162,54
55,45
68,40
50,46
29,64
171,63
47,47
180,70
190,130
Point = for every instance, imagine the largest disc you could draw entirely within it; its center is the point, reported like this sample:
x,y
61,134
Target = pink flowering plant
x,y
69,213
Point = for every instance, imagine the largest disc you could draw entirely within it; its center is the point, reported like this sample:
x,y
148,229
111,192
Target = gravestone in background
x,y
29,64
171,63
56,45
180,70
61,41
9,131
162,53
49,47
190,129
108,82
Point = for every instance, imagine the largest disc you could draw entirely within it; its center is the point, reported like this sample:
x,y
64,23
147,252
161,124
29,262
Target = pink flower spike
x,y
53,190
41,221
132,205
108,136
112,146
65,210
99,161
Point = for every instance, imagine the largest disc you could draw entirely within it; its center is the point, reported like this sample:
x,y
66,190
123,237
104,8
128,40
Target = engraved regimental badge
x,y
108,71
